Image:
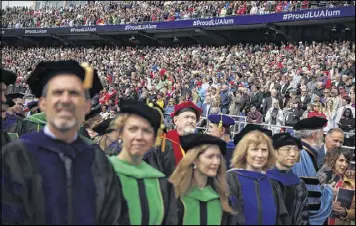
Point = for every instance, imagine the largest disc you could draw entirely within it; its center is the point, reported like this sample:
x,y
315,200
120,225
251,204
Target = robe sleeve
x,y
111,205
302,217
282,217
20,186
170,203
168,160
235,200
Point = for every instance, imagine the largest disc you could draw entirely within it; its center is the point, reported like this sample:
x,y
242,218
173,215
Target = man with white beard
x,y
185,117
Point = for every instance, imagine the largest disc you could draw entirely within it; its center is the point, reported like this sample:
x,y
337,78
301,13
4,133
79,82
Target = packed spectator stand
x,y
125,12
304,73
274,84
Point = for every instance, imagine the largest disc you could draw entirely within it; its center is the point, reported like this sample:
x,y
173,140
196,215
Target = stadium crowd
x,y
121,160
123,12
277,85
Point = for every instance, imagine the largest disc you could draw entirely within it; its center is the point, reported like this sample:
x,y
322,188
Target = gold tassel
x,y
160,134
220,123
163,147
89,76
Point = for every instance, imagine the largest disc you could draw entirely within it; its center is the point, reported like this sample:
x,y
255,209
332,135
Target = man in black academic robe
x,y
6,78
53,176
294,191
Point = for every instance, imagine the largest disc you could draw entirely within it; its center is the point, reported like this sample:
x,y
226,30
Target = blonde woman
x,y
330,113
215,104
150,197
200,183
261,200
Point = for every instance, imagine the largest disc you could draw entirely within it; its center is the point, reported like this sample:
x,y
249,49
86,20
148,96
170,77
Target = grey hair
x,y
307,133
45,91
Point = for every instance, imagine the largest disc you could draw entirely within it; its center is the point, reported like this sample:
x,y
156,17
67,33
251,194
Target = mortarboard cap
x,y
15,95
106,126
249,128
284,139
221,120
9,101
93,112
185,107
312,123
46,70
7,77
142,109
32,104
194,140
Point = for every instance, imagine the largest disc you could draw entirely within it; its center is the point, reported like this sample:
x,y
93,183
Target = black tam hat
x,y
193,140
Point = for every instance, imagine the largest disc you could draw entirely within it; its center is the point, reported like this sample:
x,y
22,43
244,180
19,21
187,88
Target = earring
x,y
120,141
194,166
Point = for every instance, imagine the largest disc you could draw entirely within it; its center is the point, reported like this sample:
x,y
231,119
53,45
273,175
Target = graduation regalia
x,y
294,193
162,161
261,203
308,167
224,121
150,198
49,181
202,206
35,123
41,175
173,135
10,120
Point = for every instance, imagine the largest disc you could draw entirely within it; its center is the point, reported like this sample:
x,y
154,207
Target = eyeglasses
x,y
288,150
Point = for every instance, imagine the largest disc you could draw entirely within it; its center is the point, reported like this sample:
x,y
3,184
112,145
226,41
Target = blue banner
x,y
310,14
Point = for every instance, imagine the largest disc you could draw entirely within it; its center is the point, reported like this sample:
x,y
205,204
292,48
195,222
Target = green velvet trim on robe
x,y
191,202
128,176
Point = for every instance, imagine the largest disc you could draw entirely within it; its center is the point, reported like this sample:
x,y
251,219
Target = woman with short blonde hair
x,y
200,181
261,201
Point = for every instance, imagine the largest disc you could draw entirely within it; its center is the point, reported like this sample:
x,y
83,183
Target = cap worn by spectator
x,y
191,141
312,123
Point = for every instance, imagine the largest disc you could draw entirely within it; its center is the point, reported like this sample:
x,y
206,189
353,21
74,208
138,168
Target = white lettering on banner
x,y
140,27
309,15
35,31
83,29
213,22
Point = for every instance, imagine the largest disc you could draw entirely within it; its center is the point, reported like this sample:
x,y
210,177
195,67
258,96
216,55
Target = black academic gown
x,y
150,197
203,207
10,120
162,161
261,203
295,194
5,138
47,181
